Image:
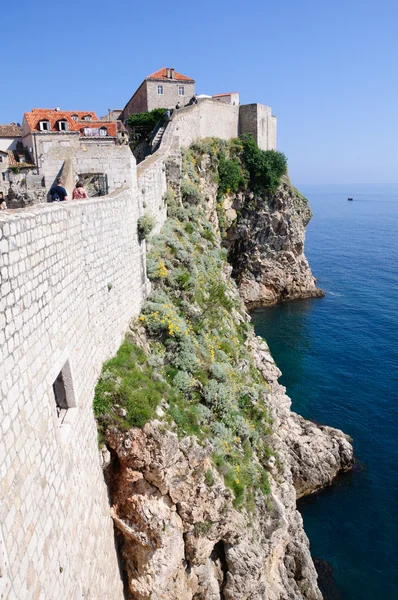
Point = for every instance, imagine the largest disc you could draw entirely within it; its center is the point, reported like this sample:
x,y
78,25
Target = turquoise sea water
x,y
339,358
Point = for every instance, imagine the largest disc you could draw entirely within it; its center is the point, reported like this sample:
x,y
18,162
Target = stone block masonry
x,y
72,276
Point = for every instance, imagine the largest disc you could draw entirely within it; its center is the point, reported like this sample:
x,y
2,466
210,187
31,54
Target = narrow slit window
x,y
63,392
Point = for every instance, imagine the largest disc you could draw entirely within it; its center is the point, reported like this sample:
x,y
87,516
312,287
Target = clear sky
x,y
327,68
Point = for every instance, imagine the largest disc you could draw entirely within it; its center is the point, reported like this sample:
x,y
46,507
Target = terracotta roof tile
x,y
10,131
53,116
162,74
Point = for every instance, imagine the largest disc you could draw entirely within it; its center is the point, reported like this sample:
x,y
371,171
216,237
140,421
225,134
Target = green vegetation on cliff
x,y
187,360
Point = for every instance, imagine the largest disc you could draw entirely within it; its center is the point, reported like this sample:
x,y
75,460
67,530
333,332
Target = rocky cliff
x,y
265,244
181,536
203,457
263,227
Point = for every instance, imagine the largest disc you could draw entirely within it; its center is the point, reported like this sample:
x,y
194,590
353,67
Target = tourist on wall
x,y
178,105
79,192
58,193
3,204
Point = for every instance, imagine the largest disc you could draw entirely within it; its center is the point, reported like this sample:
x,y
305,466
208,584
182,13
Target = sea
x,y
339,358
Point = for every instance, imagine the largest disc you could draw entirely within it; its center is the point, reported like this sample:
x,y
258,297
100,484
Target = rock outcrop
x,y
180,535
265,242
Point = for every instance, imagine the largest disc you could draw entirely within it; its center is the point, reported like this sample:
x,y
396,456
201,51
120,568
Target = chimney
x,y
168,73
171,73
57,108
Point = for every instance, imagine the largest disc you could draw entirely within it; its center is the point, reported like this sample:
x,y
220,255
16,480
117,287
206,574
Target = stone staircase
x,y
158,137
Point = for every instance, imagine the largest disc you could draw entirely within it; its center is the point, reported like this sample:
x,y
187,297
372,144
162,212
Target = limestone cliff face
x,y
266,247
181,536
264,236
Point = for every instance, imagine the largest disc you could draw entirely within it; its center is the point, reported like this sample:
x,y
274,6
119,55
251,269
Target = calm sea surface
x,y
339,358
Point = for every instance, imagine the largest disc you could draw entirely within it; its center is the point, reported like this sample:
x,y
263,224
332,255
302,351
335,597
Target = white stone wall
x,y
72,276
152,187
207,118
258,120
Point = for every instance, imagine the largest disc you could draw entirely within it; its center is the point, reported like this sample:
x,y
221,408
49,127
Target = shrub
x,y
266,167
191,192
146,119
230,175
145,225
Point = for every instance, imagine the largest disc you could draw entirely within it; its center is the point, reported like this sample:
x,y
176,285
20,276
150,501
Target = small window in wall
x,y
44,125
6,176
160,90
63,125
63,392
181,90
103,131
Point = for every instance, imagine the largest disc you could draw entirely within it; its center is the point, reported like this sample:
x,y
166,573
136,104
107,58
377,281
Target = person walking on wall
x,y
79,192
58,193
3,204
167,115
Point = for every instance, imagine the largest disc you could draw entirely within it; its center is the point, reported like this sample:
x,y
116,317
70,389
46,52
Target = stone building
x,y
10,135
43,128
76,144
162,89
228,98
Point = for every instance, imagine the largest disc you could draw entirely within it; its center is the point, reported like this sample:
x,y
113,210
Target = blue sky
x,y
328,69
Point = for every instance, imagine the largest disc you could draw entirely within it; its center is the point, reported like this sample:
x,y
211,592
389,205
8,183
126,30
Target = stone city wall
x,y
72,276
207,118
212,118
258,120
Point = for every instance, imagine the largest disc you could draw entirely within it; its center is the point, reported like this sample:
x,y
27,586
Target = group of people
x,y
193,100
58,193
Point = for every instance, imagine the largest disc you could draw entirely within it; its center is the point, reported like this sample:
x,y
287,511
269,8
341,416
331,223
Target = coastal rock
x,y
181,536
265,245
316,453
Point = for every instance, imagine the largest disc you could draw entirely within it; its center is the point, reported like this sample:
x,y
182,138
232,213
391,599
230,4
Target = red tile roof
x,y
162,74
53,116
10,131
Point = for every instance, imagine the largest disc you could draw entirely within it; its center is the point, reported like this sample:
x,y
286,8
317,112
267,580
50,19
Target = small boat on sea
x,y
350,199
